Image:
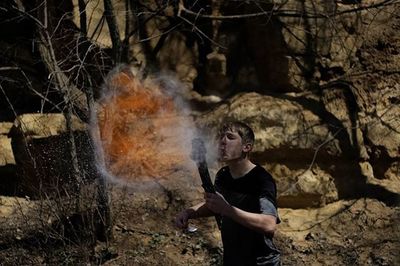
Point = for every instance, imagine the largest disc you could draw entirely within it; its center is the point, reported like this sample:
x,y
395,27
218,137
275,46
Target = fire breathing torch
x,y
199,156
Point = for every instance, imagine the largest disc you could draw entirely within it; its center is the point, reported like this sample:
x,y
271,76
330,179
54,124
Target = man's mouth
x,y
222,152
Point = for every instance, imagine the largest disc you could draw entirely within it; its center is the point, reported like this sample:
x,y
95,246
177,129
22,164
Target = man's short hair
x,y
244,131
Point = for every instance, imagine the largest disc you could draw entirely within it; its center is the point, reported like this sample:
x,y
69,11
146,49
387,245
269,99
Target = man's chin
x,y
228,159
222,159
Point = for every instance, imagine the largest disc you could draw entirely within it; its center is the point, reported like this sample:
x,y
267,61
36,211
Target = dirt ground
x,y
352,232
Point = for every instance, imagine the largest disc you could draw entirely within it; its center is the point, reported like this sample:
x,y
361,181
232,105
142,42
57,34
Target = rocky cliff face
x,y
325,141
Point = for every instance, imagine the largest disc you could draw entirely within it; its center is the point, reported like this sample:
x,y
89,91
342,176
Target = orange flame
x,y
138,128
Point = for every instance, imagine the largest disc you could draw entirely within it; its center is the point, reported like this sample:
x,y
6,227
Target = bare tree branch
x,y
114,31
196,29
278,12
82,17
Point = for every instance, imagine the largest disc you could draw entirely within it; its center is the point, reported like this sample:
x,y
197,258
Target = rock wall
x,y
42,151
313,161
8,168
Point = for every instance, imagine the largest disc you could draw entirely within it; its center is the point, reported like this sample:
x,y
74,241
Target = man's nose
x,y
223,140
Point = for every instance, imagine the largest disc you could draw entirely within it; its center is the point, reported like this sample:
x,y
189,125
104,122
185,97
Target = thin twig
x,y
202,33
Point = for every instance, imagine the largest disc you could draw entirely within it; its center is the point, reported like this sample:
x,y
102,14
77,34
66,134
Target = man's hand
x,y
194,212
181,220
217,203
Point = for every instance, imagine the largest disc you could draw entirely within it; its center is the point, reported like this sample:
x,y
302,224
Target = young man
x,y
245,199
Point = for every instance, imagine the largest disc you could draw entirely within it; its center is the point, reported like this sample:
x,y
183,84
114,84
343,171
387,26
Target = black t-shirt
x,y
254,192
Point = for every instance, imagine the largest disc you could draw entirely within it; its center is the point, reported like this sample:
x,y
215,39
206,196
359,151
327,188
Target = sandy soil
x,y
352,232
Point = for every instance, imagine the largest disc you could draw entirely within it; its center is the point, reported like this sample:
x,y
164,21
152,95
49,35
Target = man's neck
x,y
240,167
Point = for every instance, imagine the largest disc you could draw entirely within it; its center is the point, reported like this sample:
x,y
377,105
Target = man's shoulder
x,y
261,172
264,180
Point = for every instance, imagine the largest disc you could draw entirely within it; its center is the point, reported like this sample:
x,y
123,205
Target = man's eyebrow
x,y
230,134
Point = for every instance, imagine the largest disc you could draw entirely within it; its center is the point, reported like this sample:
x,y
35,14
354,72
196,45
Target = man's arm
x,y
263,223
194,212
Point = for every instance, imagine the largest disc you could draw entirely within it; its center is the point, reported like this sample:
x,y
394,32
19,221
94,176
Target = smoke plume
x,y
145,130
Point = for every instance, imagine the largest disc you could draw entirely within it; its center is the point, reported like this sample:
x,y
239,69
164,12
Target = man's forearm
x,y
198,211
262,223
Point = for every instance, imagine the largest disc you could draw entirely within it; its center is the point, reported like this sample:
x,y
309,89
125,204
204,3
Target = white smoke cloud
x,y
179,134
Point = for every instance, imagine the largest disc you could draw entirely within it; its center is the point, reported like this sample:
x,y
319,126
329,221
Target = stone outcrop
x,y
383,137
6,156
8,180
42,152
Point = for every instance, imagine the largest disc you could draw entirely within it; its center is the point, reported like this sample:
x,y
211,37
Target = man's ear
x,y
247,147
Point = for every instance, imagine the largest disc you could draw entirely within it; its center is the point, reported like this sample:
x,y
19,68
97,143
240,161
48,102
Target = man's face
x,y
230,146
